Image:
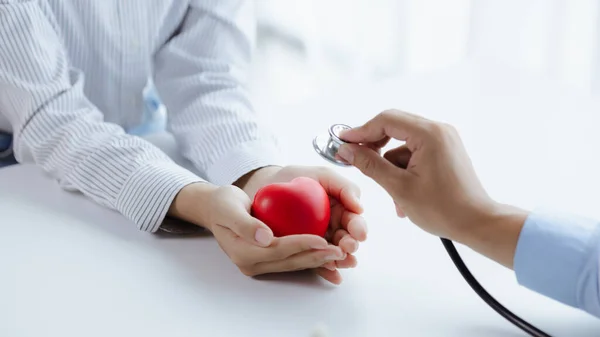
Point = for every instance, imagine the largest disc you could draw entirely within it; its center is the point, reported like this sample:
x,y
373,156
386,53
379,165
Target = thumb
x,y
249,228
371,164
252,230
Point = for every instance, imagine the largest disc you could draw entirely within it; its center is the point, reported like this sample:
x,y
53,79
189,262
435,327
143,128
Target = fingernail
x,y
357,201
336,256
346,153
263,236
329,266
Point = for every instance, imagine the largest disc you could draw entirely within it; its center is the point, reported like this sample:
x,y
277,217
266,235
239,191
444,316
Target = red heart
x,y
298,207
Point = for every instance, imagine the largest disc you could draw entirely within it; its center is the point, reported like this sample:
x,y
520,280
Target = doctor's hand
x,y
248,242
433,183
346,229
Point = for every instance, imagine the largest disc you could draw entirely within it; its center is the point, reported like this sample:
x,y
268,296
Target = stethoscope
x,y
327,146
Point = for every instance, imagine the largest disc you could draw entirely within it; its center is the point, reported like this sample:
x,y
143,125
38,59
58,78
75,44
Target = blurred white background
x,y
308,47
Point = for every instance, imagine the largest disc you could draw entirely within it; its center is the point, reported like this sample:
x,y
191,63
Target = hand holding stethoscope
x,y
433,183
430,177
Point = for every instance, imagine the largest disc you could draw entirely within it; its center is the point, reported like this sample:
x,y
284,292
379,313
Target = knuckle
x,y
390,112
449,128
435,130
222,190
441,131
228,191
325,171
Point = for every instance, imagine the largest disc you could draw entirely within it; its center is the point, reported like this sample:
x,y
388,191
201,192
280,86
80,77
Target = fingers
x,y
246,254
287,246
341,189
332,276
232,210
348,262
295,252
346,229
335,218
301,261
330,265
248,228
345,241
371,164
355,225
390,123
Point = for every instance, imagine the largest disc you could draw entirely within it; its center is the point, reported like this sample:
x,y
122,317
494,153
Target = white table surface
x,y
71,268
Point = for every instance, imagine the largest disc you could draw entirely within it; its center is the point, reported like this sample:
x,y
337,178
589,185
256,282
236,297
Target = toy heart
x,y
298,207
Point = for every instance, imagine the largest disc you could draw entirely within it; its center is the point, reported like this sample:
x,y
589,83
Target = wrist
x,y
495,232
252,181
190,204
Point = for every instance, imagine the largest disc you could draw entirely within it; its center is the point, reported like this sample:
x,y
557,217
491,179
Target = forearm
x,y
556,255
57,128
495,233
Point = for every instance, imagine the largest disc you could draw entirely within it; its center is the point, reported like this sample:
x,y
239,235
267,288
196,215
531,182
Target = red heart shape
x,y
298,207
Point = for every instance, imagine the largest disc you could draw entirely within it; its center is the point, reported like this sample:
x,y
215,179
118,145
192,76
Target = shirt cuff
x,y
148,193
552,253
243,159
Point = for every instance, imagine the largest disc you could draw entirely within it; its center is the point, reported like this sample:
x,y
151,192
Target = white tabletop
x,y
71,268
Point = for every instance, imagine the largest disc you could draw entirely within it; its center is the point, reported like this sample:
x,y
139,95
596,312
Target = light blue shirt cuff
x,y
557,256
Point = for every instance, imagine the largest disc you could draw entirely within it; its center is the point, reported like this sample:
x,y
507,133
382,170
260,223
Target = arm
x,y
56,127
434,184
200,74
555,255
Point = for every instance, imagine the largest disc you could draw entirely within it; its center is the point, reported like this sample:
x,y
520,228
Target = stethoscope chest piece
x,y
327,145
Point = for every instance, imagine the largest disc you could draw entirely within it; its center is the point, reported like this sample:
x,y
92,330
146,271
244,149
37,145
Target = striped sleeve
x,y
56,127
201,75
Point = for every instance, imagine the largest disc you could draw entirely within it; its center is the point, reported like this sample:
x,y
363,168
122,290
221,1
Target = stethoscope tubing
x,y
486,297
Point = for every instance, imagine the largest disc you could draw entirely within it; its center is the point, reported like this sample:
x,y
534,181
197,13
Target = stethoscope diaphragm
x,y
327,145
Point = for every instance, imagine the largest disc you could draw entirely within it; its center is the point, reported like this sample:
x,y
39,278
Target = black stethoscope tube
x,y
486,297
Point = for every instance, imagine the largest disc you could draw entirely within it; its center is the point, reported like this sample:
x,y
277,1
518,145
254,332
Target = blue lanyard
x,y
154,118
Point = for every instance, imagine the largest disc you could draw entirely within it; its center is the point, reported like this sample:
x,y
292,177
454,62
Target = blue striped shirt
x,y
71,80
